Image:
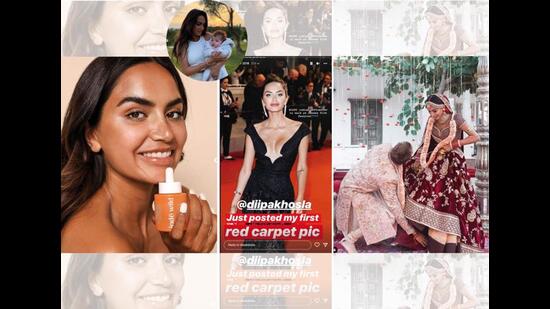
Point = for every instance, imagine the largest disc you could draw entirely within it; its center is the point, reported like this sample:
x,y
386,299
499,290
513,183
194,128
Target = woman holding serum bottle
x,y
124,127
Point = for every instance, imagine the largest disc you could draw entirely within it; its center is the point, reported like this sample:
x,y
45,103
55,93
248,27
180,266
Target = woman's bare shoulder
x,y
260,125
294,51
259,52
92,231
294,124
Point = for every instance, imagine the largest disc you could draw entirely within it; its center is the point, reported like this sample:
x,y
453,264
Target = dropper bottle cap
x,y
169,186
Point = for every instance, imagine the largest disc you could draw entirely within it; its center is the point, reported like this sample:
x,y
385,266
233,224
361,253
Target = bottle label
x,y
171,215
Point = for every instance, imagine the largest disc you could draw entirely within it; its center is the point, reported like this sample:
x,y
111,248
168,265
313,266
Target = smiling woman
x,y
117,281
124,126
118,28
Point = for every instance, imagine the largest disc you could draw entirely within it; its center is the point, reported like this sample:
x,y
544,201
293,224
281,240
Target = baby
x,y
218,45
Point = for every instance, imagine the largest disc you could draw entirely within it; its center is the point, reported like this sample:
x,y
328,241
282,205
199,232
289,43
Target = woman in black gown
x,y
274,144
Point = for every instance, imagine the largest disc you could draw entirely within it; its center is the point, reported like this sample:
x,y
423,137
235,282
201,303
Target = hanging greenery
x,y
415,77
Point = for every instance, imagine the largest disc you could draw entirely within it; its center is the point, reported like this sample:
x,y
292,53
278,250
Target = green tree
x,y
416,77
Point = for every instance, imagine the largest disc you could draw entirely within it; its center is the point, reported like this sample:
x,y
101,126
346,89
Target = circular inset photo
x,y
206,40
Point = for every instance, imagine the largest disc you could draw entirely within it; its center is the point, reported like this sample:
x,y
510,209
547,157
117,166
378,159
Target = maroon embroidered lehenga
x,y
441,197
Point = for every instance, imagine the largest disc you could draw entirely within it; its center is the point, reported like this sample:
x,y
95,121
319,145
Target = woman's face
x,y
274,97
436,275
435,113
141,130
435,21
225,83
274,24
132,28
140,281
198,28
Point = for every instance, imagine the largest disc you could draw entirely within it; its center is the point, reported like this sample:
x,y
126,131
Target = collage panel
x,y
269,280
411,28
411,280
410,154
155,280
132,142
275,173
287,28
116,28
302,133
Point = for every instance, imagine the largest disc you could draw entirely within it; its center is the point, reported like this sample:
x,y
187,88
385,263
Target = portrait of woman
x,y
272,147
124,125
120,281
191,44
117,28
274,30
440,197
444,38
444,291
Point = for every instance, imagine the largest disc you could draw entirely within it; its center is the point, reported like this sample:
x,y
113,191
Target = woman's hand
x,y
298,200
216,56
447,147
206,64
234,208
194,230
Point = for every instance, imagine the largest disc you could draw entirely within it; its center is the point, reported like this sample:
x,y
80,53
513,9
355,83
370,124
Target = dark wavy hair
x,y
435,10
186,32
82,170
76,292
435,99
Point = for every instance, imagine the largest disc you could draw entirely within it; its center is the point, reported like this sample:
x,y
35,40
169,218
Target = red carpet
x,y
318,192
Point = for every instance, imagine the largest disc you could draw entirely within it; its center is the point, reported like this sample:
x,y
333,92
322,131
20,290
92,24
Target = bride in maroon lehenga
x,y
439,194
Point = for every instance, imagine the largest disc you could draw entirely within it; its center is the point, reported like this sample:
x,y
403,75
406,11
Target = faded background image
x,y
287,28
392,28
394,281
198,170
193,277
116,28
275,280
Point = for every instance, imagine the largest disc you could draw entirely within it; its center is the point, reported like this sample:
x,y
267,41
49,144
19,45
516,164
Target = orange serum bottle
x,y
168,202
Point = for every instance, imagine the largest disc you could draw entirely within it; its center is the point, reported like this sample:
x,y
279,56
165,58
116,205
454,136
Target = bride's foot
x,y
348,245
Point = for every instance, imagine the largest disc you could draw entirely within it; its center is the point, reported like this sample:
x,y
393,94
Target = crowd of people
x,y
309,98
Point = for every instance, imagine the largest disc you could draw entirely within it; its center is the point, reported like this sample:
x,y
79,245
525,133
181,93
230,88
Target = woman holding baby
x,y
190,46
